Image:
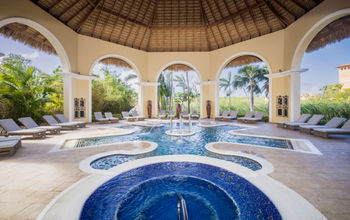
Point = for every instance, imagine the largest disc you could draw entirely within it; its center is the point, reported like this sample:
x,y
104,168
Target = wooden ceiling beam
x,y
139,27
98,18
299,5
124,23
205,26
154,14
108,18
54,5
217,26
82,22
252,16
278,16
222,16
67,9
265,19
239,14
233,20
116,21
132,27
284,8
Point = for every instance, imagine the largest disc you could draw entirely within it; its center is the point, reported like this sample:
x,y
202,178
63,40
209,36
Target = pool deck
x,y
31,178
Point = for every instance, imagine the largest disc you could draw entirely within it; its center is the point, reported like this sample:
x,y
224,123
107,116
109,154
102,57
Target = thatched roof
x,y
116,62
243,60
28,36
179,67
333,32
176,25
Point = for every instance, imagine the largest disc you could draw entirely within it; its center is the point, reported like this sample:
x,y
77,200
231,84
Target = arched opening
x,y
241,85
39,30
29,73
179,89
116,87
325,87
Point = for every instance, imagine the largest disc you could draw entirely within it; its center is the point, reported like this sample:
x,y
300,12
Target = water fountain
x,y
181,131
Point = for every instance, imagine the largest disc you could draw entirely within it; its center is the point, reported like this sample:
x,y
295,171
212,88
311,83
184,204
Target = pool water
x,y
149,192
170,145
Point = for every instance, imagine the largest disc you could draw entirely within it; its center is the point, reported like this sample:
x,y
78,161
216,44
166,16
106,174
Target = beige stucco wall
x,y
277,49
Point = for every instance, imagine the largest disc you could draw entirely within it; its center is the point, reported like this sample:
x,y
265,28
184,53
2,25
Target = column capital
x,y
149,83
209,82
286,73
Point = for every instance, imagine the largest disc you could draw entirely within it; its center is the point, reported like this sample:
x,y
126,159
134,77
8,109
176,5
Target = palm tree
x,y
226,84
248,78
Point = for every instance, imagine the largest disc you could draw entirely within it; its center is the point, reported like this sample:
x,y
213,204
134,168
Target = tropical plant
x,y
24,89
250,78
226,84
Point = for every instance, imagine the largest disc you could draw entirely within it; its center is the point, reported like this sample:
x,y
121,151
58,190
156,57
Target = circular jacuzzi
x,y
149,188
150,192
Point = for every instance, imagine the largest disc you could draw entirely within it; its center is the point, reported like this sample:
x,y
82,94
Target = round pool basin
x,y
150,192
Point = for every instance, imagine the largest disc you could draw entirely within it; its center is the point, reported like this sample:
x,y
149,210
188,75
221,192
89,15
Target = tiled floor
x,y
33,177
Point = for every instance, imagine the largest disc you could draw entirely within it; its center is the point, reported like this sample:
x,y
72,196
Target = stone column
x,y
148,91
208,92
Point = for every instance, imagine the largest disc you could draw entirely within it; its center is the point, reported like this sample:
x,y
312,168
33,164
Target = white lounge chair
x,y
185,114
232,116
63,119
314,120
28,122
162,114
324,132
10,145
110,117
194,115
100,118
220,118
52,121
135,114
258,117
171,114
11,128
333,123
247,115
301,119
127,117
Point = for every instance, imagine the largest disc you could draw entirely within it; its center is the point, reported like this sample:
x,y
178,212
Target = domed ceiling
x,y
176,25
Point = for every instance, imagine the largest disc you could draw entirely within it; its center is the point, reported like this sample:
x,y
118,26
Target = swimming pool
x,y
170,145
150,192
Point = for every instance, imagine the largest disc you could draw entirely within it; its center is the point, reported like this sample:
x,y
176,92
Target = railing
x,y
181,207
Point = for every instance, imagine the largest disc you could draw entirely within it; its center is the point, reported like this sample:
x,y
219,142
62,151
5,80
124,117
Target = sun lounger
x,y
232,116
63,119
171,114
324,132
110,117
258,117
52,121
247,115
135,114
127,117
10,145
100,118
301,119
185,114
162,114
220,118
28,122
194,115
11,128
333,123
314,120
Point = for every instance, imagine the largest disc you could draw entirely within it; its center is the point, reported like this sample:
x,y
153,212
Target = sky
x,y
321,63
